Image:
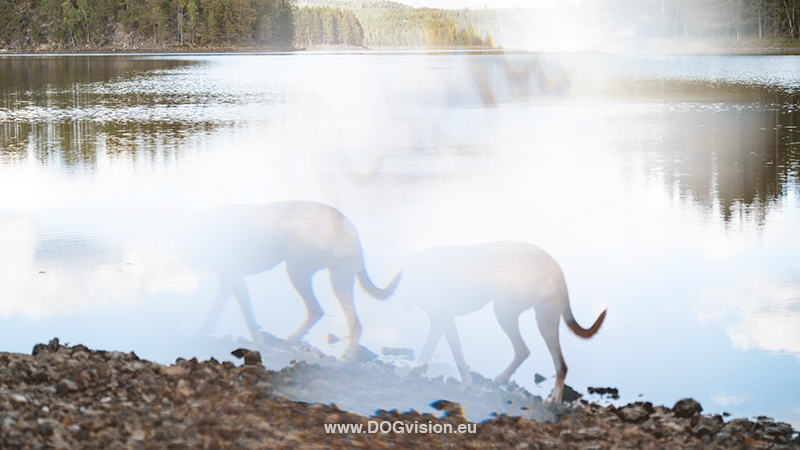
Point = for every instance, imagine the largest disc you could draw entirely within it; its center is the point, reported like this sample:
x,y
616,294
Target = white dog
x,y
450,281
235,241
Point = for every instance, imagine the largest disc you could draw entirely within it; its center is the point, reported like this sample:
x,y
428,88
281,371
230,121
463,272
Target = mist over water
x,y
666,188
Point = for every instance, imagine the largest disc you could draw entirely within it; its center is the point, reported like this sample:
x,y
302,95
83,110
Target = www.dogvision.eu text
x,y
384,426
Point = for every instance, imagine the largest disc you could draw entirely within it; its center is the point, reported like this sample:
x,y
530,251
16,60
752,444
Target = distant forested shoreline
x,y
63,26
192,25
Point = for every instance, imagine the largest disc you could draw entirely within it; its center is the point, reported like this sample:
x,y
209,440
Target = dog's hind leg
x,y
451,334
239,288
301,280
223,294
509,322
548,317
342,280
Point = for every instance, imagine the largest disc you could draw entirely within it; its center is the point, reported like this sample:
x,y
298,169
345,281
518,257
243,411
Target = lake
x,y
667,188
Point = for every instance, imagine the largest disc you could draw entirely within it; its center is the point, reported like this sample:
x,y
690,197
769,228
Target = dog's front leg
x,y
434,334
223,294
239,288
451,334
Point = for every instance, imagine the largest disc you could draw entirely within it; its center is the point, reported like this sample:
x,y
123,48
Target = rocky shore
x,y
63,397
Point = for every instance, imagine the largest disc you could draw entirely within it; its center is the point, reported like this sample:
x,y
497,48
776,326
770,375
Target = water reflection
x,y
453,281
768,306
33,79
733,148
235,241
508,78
47,273
71,109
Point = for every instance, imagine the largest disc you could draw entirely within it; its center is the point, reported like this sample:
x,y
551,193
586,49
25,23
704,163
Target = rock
x,y
251,357
18,400
358,354
183,388
703,430
173,371
451,409
686,407
397,352
778,429
653,426
570,395
633,414
53,345
739,426
611,392
674,426
590,433
38,349
66,385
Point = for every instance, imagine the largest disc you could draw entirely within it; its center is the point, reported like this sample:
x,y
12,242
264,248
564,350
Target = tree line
x,y
701,19
324,25
173,22
209,23
391,24
283,24
419,27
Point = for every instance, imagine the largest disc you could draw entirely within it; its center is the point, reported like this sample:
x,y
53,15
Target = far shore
x,y
666,47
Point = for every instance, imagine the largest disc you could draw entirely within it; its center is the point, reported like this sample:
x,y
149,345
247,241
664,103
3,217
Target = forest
x,y
698,19
324,25
392,24
284,24
388,23
187,24
154,23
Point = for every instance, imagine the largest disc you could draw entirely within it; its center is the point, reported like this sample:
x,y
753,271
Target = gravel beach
x,y
63,397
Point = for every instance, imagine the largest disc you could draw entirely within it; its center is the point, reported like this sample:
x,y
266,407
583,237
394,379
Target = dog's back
x,y
454,281
248,239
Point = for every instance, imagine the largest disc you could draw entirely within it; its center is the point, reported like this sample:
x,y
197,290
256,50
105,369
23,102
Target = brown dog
x,y
235,241
451,281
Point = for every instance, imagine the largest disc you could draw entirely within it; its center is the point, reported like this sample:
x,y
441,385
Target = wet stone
x,y
633,414
570,395
66,385
590,433
778,429
686,407
251,357
451,409
610,392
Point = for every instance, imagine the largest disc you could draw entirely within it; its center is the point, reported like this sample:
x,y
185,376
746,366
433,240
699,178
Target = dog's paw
x,y
417,371
502,380
358,354
463,387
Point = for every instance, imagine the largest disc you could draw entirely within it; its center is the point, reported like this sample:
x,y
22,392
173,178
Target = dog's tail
x,y
374,291
577,329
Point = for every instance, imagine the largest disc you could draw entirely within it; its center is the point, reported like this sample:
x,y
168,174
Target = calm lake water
x,y
667,188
